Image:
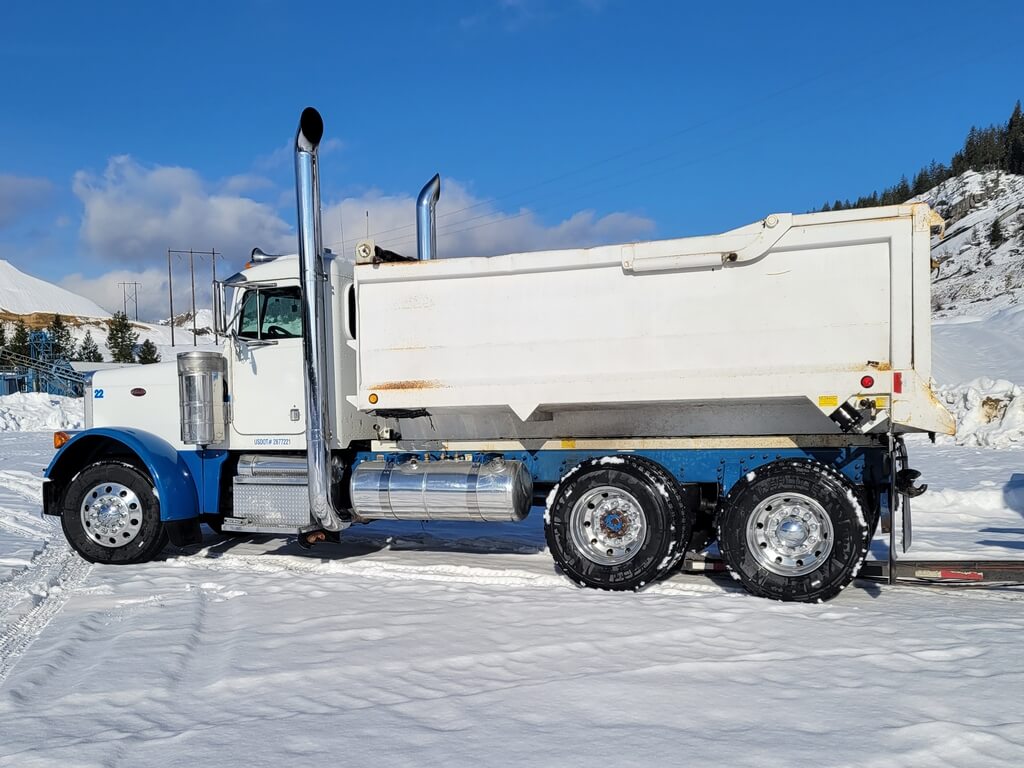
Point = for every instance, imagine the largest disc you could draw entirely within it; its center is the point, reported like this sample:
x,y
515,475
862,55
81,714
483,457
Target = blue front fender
x,y
176,486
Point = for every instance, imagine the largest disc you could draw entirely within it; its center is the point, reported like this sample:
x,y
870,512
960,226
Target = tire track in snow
x,y
22,483
62,572
446,573
49,579
17,521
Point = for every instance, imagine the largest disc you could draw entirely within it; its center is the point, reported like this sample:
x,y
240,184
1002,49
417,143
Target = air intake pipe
x,y
314,349
426,222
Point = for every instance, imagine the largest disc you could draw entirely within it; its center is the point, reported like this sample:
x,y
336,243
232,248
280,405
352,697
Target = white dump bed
x,y
783,318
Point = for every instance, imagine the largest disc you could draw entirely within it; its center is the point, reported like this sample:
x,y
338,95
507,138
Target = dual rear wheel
x,y
792,530
617,522
795,531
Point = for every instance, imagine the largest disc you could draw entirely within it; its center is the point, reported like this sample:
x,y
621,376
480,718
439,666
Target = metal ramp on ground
x,y
55,377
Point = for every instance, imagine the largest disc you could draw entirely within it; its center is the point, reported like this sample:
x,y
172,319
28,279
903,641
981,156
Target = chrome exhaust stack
x,y
314,349
426,222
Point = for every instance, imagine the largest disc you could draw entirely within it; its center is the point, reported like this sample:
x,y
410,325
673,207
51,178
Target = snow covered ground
x,y
460,645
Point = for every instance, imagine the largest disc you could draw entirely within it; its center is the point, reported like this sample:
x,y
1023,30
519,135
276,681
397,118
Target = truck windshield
x,y
274,313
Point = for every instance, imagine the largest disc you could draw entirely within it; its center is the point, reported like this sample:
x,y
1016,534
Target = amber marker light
x,y
373,398
59,438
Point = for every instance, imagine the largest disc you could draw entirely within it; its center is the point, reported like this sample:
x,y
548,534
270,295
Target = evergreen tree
x,y
997,147
89,352
60,338
121,339
1015,142
3,334
19,340
148,353
995,234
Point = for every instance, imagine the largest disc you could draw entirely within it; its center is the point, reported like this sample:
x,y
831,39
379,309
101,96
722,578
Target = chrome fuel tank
x,y
496,490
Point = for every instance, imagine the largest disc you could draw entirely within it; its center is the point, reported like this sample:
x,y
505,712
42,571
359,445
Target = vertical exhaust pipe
x,y
314,349
426,222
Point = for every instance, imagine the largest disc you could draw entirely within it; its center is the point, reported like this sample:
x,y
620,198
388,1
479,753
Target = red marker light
x,y
867,382
897,382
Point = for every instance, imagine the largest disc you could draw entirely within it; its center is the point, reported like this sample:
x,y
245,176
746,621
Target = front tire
x,y
794,531
110,514
617,523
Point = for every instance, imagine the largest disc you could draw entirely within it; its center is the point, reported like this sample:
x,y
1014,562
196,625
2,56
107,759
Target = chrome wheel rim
x,y
608,525
790,534
111,515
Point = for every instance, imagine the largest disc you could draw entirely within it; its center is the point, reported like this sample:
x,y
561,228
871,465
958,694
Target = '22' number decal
x,y
97,394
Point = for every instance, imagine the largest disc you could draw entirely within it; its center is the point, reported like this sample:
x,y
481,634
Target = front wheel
x,y
794,531
110,514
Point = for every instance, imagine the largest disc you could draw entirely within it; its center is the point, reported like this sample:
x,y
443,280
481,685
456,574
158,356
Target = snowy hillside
x,y
22,294
160,335
978,306
972,275
204,321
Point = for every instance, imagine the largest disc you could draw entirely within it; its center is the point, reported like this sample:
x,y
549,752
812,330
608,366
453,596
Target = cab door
x,y
267,393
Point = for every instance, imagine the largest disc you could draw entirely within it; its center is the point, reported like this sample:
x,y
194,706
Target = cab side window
x,y
274,313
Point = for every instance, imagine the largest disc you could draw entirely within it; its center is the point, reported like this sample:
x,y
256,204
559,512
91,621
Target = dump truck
x,y
750,388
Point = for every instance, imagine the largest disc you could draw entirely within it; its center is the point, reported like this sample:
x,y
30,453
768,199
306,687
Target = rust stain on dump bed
x,y
879,366
408,384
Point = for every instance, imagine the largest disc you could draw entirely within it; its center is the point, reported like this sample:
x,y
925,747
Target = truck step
x,y
247,525
270,505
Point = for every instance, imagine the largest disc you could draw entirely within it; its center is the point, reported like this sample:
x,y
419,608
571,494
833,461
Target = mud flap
x,y
183,533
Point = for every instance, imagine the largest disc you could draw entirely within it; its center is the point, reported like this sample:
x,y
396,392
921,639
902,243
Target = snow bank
x,y
988,412
38,412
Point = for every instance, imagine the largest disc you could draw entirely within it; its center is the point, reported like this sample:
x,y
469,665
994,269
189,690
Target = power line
x,y
744,111
602,161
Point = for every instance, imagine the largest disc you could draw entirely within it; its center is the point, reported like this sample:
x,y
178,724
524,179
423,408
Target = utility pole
x,y
192,253
216,294
192,269
170,295
135,296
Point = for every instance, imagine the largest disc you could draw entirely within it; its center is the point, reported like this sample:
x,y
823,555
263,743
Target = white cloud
x,y
133,214
245,182
285,153
20,195
470,226
152,291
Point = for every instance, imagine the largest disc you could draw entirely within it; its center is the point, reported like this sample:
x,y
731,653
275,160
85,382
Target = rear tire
x,y
794,531
617,523
110,514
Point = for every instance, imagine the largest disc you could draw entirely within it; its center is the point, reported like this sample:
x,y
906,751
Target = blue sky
x,y
130,128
